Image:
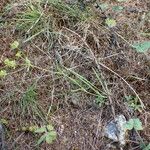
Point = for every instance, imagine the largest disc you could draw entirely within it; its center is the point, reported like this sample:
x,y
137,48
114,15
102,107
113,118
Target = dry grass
x,y
82,45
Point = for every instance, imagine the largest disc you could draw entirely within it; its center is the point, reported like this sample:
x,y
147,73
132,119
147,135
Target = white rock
x,y
115,130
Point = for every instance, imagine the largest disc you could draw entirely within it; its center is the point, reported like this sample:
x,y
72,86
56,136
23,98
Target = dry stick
x,y
104,66
125,82
98,66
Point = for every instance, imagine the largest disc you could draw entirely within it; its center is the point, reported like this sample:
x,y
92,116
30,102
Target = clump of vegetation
x,y
49,134
29,100
56,53
134,124
133,103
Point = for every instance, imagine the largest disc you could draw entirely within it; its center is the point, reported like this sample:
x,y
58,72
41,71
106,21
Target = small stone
x,y
115,130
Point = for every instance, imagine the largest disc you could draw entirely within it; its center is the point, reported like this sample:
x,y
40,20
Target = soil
x,y
79,122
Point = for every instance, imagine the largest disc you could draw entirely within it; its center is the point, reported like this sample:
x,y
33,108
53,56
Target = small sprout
x,y
3,73
10,63
142,47
134,124
18,54
49,134
14,45
110,22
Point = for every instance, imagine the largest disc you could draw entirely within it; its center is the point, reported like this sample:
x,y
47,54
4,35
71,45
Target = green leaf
x,y
14,45
50,127
3,73
49,138
10,63
137,124
117,8
41,130
42,139
103,6
18,54
110,22
129,125
142,47
53,134
133,123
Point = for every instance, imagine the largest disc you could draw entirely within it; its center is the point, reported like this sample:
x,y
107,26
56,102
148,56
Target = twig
x,y
104,66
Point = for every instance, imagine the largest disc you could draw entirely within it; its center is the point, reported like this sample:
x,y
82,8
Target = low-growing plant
x,y
49,134
133,103
29,100
134,123
83,84
110,22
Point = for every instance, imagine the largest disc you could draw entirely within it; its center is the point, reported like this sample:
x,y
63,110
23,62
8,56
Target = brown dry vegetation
x,y
83,46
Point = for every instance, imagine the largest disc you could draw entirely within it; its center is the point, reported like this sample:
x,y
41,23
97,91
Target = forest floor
x,y
74,66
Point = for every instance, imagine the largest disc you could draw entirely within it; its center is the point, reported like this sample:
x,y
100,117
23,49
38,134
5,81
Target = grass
x,y
29,100
34,20
54,54
29,105
81,84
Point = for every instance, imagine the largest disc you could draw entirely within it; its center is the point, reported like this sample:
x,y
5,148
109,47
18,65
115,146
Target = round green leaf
x,y
129,125
142,47
137,124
